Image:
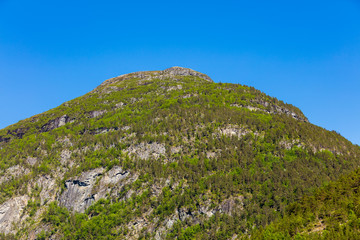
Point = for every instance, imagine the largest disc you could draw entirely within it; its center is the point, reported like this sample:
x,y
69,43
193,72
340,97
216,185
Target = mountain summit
x,y
162,155
172,72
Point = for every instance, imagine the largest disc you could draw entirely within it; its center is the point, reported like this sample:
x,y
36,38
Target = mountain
x,y
163,155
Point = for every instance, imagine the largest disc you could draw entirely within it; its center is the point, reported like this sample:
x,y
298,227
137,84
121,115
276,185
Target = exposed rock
x,y
190,95
110,89
204,209
135,100
175,149
114,175
180,71
231,204
287,144
144,83
210,154
81,192
57,122
136,226
147,150
148,75
65,141
13,172
125,128
160,233
275,109
251,108
98,113
31,160
172,88
232,130
280,110
271,109
48,189
78,194
11,213
120,105
183,213
65,156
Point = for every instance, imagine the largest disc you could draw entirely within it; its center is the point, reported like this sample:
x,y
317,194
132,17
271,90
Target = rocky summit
x,y
167,155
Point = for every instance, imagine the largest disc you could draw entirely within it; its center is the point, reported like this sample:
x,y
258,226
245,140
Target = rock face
x,y
272,109
147,150
275,109
57,122
180,71
81,192
231,204
233,130
113,176
78,195
48,189
11,212
95,114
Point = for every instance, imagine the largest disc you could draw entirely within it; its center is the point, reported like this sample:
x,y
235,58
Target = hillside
x,y
163,155
332,212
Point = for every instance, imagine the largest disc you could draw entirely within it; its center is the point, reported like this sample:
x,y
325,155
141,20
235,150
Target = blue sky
x,y
306,53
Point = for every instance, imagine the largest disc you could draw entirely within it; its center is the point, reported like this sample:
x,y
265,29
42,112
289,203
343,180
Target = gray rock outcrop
x,y
98,113
180,71
11,213
147,150
78,194
55,123
81,192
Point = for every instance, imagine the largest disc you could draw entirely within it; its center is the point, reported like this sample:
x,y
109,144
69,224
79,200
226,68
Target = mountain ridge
x,y
172,71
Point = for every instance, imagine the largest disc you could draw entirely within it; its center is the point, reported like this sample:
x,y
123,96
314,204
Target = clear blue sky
x,y
306,53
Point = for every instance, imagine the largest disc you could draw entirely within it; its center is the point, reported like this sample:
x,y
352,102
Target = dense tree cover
x,y
332,212
272,160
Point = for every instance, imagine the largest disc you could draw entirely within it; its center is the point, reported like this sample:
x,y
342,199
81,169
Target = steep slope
x,y
162,154
333,212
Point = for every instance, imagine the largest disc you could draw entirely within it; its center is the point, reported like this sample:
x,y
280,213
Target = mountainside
x,y
163,155
333,212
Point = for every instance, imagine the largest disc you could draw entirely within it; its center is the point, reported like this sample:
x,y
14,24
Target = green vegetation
x,y
332,212
228,144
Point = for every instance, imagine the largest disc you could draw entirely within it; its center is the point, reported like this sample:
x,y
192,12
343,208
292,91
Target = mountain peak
x,y
167,73
181,71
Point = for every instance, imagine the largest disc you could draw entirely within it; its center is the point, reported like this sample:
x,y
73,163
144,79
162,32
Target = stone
x,y
55,123
78,194
81,192
11,213
95,114
31,160
147,150
180,71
